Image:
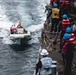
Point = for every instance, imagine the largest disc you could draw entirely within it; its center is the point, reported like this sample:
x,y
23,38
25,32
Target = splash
x,y
42,16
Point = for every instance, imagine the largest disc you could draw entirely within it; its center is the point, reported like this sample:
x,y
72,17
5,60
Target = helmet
x,y
65,16
12,26
55,5
44,52
68,29
66,36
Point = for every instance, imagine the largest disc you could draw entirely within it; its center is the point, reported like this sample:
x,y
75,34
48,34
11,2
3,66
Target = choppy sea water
x,y
20,59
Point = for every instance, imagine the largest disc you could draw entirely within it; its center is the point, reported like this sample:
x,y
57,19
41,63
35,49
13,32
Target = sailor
x,y
62,27
44,64
19,25
48,11
68,51
65,7
69,31
12,29
54,1
55,16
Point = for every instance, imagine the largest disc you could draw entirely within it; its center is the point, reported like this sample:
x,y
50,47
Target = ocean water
x,y
20,59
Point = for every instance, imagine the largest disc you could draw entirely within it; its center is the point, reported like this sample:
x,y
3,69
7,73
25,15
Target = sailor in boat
x,y
19,25
20,29
12,29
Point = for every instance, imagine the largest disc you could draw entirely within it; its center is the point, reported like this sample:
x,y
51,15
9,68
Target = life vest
x,y
65,24
67,2
72,36
46,66
11,29
55,13
19,25
71,41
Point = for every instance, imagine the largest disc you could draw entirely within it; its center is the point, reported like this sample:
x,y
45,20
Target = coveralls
x,y
68,50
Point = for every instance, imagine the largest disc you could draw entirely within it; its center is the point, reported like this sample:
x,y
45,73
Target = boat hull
x,y
20,36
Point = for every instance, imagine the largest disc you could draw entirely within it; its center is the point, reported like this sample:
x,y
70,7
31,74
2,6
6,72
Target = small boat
x,y
18,32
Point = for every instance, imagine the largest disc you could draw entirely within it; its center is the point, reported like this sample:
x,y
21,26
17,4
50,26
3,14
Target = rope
x,y
72,15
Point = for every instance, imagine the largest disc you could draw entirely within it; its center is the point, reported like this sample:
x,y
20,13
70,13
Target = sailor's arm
x,y
38,66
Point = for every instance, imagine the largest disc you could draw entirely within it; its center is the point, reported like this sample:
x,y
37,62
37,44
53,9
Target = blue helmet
x,y
64,16
68,30
66,36
55,5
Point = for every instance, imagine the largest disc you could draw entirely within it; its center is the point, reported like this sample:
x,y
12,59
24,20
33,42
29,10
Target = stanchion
x,y
54,62
53,67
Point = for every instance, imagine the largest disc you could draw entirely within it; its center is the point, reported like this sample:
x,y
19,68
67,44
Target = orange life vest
x,y
65,24
71,41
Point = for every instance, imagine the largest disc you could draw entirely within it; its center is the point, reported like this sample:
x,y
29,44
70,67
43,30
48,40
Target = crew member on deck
x,y
44,64
69,31
65,7
62,27
55,16
48,10
54,1
68,51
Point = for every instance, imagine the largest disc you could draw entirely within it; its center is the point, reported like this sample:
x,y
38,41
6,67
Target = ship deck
x,y
47,39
